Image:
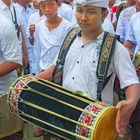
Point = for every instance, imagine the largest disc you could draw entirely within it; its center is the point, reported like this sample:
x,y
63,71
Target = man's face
x,y
89,18
138,5
35,4
51,8
42,6
131,2
111,3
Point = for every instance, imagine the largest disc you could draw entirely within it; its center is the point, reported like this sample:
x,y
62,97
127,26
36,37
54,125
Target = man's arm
x,y
24,50
47,74
7,67
128,44
126,107
129,82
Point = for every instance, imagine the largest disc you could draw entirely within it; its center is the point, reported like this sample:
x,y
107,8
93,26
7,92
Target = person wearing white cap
x,y
79,71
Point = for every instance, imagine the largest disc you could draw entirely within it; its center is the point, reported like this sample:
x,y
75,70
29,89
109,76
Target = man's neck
x,y
88,36
53,20
53,23
21,3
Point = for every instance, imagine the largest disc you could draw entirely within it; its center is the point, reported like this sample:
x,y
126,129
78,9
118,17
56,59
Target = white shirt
x,y
133,31
11,16
107,26
68,12
9,51
24,14
123,21
34,19
81,64
47,43
6,12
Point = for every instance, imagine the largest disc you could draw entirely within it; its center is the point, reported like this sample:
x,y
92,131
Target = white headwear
x,y
98,3
41,1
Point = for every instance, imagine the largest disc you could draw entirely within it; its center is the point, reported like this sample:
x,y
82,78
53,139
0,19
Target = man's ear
x,y
104,15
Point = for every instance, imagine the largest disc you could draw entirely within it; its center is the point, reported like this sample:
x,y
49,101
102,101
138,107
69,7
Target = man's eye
x,y
79,11
91,12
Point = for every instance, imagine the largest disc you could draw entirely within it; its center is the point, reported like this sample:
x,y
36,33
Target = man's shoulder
x,y
129,9
5,23
136,16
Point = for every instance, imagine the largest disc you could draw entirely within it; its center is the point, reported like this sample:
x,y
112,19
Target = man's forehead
x,y
97,3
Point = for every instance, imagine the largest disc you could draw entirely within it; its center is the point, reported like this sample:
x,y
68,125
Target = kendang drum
x,y
60,111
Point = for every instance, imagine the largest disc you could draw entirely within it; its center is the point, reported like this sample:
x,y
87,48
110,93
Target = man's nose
x,y
84,16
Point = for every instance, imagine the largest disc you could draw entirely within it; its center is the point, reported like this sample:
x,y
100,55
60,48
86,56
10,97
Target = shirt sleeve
x,y
10,44
124,67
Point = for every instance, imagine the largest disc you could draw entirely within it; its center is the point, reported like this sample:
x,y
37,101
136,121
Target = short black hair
x,y
103,9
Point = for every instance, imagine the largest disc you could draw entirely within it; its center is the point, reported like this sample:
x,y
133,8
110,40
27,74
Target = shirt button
x,y
93,61
73,78
77,62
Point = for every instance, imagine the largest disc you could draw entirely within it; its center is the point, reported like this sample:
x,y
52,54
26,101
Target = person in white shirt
x,y
24,12
111,15
67,11
132,39
49,35
79,72
10,59
124,19
33,20
7,8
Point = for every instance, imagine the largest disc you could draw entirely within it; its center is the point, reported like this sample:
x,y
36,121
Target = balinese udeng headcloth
x,y
98,3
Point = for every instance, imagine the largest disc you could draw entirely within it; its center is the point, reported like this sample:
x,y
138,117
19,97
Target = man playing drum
x,y
79,72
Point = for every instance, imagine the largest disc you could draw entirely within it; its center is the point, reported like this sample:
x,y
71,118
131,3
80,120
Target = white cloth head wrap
x,y
98,3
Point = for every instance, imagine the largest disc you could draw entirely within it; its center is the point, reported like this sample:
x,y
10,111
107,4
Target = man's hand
x,y
138,70
25,60
125,109
32,29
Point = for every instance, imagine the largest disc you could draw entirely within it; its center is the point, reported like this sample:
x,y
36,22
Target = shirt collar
x,y
98,39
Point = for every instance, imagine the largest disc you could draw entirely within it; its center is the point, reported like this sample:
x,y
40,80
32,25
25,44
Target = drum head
x,y
104,128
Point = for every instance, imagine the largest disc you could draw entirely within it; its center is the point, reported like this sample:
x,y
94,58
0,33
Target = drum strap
x,y
107,49
15,22
58,70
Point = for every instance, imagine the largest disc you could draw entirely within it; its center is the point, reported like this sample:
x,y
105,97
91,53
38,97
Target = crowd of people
x,y
31,35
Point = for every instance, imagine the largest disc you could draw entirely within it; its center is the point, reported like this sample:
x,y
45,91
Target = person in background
x,y
132,39
124,19
24,11
10,59
47,41
67,11
111,15
7,8
33,20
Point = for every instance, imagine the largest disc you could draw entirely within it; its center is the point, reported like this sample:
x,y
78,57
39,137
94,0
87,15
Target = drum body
x,y
60,111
